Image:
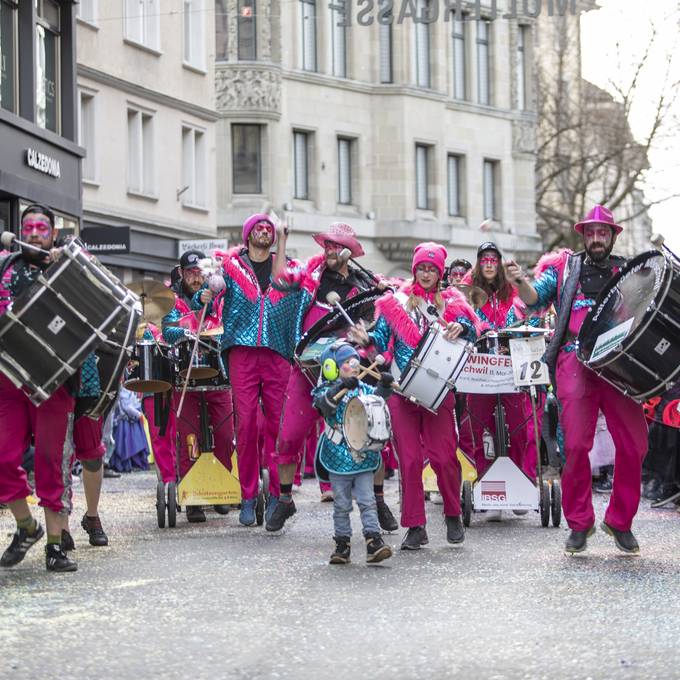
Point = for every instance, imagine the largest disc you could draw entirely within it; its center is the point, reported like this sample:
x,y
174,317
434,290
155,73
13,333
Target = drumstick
x,y
191,360
333,299
379,361
377,376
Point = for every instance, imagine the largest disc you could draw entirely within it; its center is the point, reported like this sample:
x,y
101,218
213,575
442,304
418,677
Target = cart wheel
x,y
545,504
467,502
160,505
261,502
556,502
172,504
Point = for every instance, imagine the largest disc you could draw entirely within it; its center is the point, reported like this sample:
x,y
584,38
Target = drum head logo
x,y
56,324
662,346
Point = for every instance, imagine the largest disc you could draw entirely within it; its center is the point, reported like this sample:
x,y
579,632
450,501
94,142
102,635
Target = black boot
x,y
385,517
195,514
57,560
625,541
415,537
21,542
342,550
376,550
282,511
454,530
93,526
578,541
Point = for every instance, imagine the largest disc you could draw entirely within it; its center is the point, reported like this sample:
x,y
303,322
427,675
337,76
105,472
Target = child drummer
x,y
350,472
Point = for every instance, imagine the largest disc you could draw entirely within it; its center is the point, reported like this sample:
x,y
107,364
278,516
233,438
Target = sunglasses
x,y
37,226
488,260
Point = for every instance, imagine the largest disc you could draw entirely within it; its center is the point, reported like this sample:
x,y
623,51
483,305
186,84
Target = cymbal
x,y
524,329
473,294
219,330
157,300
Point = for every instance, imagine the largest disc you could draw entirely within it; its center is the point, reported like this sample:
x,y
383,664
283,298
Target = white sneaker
x,y
436,498
494,515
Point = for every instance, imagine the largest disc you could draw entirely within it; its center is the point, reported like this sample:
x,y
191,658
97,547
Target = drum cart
x,y
504,486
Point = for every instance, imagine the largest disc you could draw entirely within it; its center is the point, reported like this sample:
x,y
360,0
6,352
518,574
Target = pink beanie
x,y
432,253
250,223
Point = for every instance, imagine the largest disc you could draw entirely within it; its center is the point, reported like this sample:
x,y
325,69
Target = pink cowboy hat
x,y
341,233
599,215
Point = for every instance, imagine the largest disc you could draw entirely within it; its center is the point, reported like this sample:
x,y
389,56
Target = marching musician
x,y
571,281
261,328
188,422
501,309
50,425
324,273
418,434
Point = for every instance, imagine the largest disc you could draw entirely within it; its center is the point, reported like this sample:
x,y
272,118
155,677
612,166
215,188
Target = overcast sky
x,y
613,39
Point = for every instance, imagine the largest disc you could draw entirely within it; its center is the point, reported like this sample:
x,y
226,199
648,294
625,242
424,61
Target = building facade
x,y
409,128
39,152
147,122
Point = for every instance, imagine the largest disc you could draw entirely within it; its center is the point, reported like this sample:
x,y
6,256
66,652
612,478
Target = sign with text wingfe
x,y
487,374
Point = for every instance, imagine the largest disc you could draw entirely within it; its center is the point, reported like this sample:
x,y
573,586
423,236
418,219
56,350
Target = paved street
x,y
221,601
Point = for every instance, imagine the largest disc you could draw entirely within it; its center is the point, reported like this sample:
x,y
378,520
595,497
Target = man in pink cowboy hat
x,y
326,272
571,282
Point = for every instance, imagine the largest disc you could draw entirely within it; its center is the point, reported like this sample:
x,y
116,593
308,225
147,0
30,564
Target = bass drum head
x,y
355,424
623,304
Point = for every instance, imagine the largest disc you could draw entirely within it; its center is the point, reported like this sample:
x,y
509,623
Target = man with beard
x,y
324,273
261,328
49,425
188,424
571,282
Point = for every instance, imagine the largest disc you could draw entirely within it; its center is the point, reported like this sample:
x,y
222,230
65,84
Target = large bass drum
x,y
630,335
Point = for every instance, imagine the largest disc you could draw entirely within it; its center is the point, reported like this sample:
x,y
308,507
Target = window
x,y
339,40
308,34
142,22
87,135
47,58
221,40
422,177
422,51
87,11
301,165
194,32
483,68
246,30
141,179
345,149
8,56
194,167
459,67
491,190
521,67
385,47
453,184
246,154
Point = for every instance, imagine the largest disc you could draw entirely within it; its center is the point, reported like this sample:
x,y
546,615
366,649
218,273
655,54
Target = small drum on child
x,y
152,370
366,423
206,360
434,368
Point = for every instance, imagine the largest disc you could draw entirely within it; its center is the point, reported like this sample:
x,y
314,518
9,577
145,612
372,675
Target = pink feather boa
x,y
557,259
237,270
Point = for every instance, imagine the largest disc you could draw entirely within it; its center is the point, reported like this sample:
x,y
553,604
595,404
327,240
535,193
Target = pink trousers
x,y
87,438
189,422
163,446
51,426
257,372
582,393
419,436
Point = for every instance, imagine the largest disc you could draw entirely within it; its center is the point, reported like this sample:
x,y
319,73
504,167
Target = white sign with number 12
x,y
527,365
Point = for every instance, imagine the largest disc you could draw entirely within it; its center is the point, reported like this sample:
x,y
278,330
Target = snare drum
x,y
206,363
152,370
629,336
366,423
433,368
69,311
